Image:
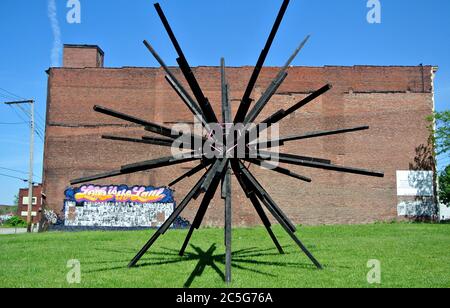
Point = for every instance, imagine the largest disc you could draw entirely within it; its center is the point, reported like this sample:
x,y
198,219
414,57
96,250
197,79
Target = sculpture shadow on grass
x,y
242,259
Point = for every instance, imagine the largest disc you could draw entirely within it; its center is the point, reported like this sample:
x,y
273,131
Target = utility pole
x,y
30,177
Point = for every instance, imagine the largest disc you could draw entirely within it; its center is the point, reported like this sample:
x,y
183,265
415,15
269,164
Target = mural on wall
x,y
117,206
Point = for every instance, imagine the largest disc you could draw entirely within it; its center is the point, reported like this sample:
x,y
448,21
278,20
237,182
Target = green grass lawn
x,y
411,255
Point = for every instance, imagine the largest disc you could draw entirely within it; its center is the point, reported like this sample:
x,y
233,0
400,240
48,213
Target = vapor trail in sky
x,y
56,52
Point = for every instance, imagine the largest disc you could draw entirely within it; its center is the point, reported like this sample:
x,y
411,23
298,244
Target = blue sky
x,y
410,33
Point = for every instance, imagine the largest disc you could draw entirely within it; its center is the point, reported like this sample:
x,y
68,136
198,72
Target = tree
x,y
444,186
441,139
441,131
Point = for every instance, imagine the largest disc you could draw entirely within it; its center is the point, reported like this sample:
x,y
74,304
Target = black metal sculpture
x,y
223,166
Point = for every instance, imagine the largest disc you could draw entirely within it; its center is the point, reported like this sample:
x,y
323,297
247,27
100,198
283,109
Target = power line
x,y
17,113
38,129
15,177
39,124
11,94
16,123
40,116
5,97
18,171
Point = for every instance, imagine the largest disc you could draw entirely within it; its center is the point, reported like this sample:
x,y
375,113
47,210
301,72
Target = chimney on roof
x,y
83,56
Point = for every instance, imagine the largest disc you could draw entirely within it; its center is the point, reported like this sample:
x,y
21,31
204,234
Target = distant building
x,y
22,209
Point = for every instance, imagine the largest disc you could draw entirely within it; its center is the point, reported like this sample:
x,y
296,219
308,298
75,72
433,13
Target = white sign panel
x,y
415,183
445,212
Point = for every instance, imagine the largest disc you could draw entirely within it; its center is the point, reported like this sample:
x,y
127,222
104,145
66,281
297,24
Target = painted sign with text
x,y
117,206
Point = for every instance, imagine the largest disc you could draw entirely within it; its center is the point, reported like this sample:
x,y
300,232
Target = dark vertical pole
x,y
228,226
226,187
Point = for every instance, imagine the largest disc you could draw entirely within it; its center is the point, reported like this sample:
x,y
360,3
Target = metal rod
x,y
317,165
180,90
188,239
228,225
246,100
200,215
265,98
276,83
163,229
134,140
190,173
190,104
205,106
137,167
209,195
155,128
298,157
282,114
219,167
150,138
250,192
278,169
308,99
282,141
193,106
258,189
187,71
266,222
323,134
286,227
226,107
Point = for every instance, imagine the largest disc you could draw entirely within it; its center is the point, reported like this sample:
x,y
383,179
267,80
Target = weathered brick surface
x,y
81,56
394,101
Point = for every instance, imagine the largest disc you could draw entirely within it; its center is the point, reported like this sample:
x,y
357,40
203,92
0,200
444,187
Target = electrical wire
x,y
16,123
12,95
38,129
18,171
13,177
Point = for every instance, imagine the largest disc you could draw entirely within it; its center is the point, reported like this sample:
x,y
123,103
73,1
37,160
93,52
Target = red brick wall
x,y
394,101
81,56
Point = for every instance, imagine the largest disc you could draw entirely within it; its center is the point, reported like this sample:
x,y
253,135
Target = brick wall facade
x,y
393,101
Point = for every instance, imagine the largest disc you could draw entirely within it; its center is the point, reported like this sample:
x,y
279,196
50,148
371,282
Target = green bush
x,y
16,222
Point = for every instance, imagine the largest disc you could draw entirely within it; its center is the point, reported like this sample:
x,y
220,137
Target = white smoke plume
x,y
56,52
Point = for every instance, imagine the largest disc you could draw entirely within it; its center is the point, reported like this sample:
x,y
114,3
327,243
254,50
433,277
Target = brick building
x,y
394,101
38,202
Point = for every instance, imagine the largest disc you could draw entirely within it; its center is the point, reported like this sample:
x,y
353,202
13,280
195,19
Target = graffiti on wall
x,y
117,206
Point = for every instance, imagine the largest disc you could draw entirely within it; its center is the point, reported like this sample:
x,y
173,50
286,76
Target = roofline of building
x,y
85,46
435,68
